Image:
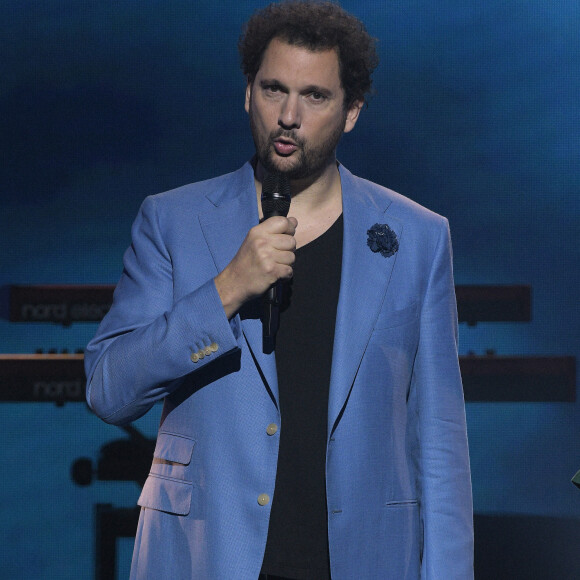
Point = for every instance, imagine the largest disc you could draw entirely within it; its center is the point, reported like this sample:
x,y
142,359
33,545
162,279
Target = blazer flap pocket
x,y
174,448
389,318
167,495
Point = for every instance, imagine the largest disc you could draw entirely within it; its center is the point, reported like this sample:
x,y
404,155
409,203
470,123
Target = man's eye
x,y
318,97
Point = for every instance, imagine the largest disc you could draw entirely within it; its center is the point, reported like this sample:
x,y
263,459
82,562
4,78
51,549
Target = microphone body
x,y
275,201
275,195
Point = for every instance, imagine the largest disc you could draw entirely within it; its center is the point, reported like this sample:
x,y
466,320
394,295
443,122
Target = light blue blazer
x,y
397,467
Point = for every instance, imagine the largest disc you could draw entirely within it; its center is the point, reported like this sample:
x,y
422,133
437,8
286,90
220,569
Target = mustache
x,y
290,135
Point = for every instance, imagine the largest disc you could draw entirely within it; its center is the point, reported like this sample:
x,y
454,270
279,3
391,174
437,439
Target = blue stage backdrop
x,y
476,115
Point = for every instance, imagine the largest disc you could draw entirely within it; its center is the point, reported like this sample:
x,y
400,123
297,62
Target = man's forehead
x,y
285,58
285,44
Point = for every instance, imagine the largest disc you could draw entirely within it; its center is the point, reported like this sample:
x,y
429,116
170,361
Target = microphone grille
x,y
276,195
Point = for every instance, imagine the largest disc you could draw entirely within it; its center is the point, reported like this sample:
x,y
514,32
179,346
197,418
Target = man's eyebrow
x,y
271,82
318,89
265,83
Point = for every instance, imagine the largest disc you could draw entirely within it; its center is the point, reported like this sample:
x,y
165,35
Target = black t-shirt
x,y
297,544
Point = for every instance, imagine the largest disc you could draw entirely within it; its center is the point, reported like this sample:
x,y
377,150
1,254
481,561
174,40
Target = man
x,y
343,453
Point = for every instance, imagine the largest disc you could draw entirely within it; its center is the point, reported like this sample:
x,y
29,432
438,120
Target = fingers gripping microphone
x,y
275,202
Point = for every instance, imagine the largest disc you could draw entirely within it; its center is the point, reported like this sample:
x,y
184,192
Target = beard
x,y
309,158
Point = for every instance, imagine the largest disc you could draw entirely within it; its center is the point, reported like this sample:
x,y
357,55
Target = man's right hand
x,y
265,256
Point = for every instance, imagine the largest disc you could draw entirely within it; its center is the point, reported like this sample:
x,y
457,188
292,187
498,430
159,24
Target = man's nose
x,y
290,117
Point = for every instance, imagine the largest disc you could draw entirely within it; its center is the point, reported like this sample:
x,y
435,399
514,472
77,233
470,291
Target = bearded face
x,y
296,109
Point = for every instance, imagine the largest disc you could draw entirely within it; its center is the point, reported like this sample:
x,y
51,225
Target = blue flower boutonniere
x,y
382,239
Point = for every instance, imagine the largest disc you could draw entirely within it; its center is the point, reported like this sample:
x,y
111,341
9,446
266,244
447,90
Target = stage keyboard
x,y
72,303
44,378
60,378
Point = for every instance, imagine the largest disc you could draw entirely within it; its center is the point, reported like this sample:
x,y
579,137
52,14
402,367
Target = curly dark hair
x,y
316,26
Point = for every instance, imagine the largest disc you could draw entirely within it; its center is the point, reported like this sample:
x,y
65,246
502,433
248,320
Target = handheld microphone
x,y
275,201
275,195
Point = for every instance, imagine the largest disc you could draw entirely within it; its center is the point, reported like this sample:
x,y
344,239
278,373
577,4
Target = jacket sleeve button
x,y
263,499
194,357
213,347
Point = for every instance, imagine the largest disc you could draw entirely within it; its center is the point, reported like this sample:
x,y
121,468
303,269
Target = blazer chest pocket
x,y
389,318
169,486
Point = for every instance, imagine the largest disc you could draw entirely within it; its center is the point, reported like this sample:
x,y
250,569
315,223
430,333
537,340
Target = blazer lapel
x,y
364,280
225,227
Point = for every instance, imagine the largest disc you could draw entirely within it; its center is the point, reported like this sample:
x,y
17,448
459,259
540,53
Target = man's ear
x,y
352,115
248,95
